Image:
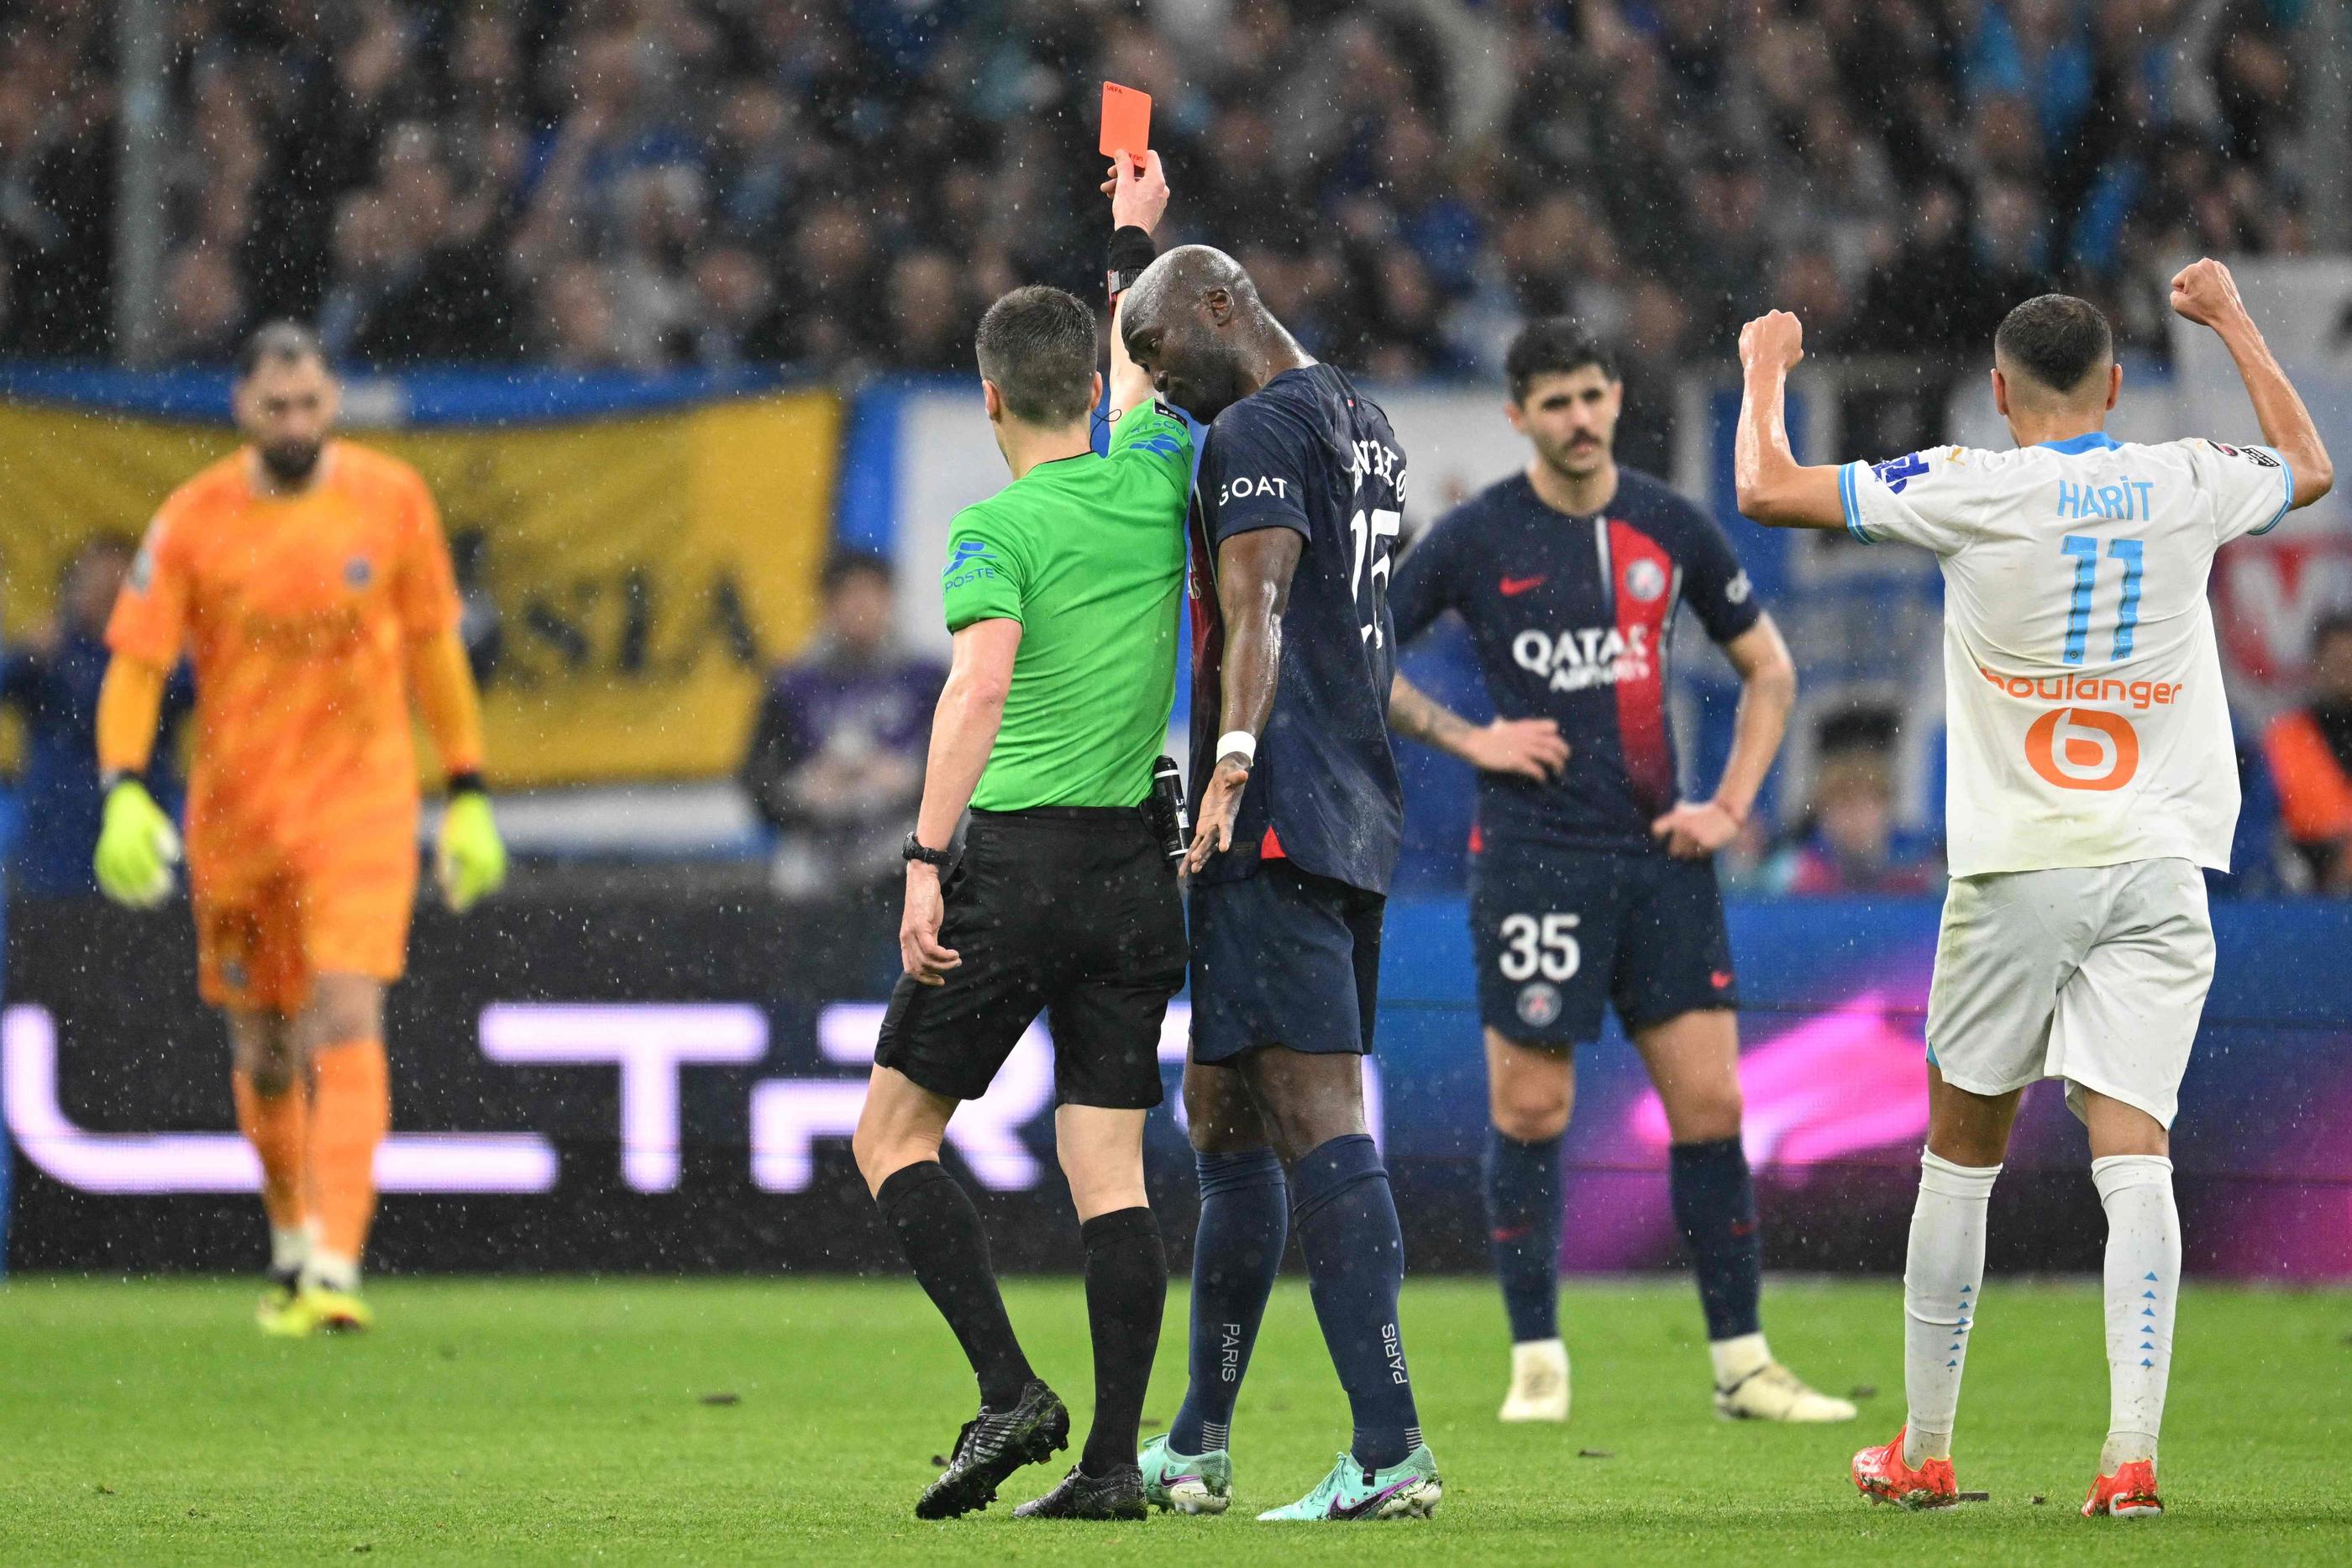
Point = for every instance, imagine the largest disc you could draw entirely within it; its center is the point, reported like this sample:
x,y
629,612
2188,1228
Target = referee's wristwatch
x,y
914,849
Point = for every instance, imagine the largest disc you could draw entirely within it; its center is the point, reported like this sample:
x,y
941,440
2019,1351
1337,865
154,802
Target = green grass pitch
x,y
646,1421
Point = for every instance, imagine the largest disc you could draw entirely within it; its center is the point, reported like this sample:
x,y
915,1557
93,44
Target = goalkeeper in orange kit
x,y
307,580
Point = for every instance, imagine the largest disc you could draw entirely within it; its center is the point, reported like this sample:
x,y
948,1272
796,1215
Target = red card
x,y
1125,121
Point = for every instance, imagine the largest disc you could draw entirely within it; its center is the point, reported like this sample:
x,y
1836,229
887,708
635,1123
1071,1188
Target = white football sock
x,y
290,1246
331,1271
1739,1358
1942,1274
2143,1278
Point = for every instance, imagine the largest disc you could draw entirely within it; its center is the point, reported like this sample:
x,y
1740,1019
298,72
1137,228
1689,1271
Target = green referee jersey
x,y
1088,553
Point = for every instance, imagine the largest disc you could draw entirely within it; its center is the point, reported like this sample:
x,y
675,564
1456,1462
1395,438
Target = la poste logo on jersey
x,y
972,561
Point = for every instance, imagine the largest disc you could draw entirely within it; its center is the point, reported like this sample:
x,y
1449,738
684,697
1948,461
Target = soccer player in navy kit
x,y
1592,883
1295,507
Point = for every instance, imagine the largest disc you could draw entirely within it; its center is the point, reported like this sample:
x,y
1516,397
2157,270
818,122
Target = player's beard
x,y
291,463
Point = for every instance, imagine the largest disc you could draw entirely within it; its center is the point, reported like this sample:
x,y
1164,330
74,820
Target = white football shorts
x,y
2096,975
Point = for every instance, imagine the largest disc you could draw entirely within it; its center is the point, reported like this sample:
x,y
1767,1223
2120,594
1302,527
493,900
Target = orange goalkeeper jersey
x,y
297,612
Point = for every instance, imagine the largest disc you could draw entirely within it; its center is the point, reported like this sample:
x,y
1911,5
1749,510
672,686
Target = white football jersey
x,y
2085,712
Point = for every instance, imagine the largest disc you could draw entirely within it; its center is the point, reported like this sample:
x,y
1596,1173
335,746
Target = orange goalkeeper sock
x,y
277,1126
350,1112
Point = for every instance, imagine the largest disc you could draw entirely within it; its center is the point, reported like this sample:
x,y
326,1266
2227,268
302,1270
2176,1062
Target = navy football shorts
x,y
1558,933
1284,958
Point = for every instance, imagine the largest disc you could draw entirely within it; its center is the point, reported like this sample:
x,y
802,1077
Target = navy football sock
x,y
1715,1203
1523,1213
1347,1231
1245,1222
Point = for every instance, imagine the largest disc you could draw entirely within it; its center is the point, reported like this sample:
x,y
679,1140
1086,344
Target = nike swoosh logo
x,y
1358,1511
1514,586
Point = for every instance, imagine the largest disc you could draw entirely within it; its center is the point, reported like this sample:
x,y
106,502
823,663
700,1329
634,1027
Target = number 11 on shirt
x,y
2085,553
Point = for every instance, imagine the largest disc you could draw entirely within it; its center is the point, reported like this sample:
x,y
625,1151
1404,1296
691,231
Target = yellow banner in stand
x,y
644,571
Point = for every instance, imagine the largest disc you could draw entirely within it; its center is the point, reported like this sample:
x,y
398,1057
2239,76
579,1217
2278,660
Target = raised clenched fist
x,y
2205,293
1774,340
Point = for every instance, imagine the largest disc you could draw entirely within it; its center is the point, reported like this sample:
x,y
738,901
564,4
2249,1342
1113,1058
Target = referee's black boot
x,y
1119,1495
991,1446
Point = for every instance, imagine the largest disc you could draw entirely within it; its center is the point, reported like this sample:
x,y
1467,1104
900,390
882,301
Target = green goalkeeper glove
x,y
137,848
470,859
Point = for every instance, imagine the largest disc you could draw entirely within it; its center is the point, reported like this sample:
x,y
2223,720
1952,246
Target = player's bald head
x,y
1185,278
1194,321
280,344
285,399
2054,350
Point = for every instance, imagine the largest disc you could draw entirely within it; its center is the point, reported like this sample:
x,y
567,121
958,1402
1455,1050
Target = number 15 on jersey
x,y
1374,533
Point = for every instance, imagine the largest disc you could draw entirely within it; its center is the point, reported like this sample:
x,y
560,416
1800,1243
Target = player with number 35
x,y
1592,883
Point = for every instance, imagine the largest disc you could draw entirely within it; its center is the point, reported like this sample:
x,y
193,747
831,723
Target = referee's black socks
x,y
940,1233
1126,1291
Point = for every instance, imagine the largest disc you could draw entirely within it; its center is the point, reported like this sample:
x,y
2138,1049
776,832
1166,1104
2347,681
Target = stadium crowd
x,y
841,187
647,183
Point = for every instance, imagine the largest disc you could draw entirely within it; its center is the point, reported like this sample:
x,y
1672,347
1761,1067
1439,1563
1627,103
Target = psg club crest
x,y
1538,1003
358,573
1645,581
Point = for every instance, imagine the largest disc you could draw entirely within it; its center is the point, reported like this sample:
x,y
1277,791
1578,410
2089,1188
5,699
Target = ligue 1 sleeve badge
x,y
1538,1004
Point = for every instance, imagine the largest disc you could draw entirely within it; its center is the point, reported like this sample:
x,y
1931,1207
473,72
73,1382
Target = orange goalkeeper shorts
x,y
259,944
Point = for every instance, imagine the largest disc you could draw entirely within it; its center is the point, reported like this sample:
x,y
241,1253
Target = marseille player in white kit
x,y
2092,783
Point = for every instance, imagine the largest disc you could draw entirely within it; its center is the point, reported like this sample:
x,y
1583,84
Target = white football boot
x,y
1538,1382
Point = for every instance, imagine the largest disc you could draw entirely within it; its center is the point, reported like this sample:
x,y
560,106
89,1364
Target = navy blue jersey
x,y
1573,618
1309,452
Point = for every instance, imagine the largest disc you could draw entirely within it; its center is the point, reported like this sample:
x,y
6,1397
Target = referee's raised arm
x,y
1138,199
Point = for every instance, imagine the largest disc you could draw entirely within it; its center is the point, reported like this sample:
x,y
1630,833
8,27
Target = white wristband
x,y
1240,740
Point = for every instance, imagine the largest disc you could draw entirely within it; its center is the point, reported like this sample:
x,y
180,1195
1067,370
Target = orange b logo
x,y
2082,748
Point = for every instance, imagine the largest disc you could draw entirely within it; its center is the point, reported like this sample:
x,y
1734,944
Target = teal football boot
x,y
1407,1490
1189,1483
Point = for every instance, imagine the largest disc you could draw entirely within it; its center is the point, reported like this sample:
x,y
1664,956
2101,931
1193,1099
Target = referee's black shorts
x,y
1071,911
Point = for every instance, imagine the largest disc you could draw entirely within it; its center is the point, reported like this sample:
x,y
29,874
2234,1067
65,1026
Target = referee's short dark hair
x,y
2057,339
1037,344
279,343
1553,346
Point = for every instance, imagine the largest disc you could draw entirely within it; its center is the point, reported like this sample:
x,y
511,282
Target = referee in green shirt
x,y
1061,590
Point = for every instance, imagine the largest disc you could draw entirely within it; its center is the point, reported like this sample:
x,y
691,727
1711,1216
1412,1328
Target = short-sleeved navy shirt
x,y
1573,619
1309,452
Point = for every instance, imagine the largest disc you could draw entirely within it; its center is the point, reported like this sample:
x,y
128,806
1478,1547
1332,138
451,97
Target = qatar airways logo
x,y
1589,656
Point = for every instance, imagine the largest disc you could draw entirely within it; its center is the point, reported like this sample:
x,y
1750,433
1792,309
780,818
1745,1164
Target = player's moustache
x,y
290,461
